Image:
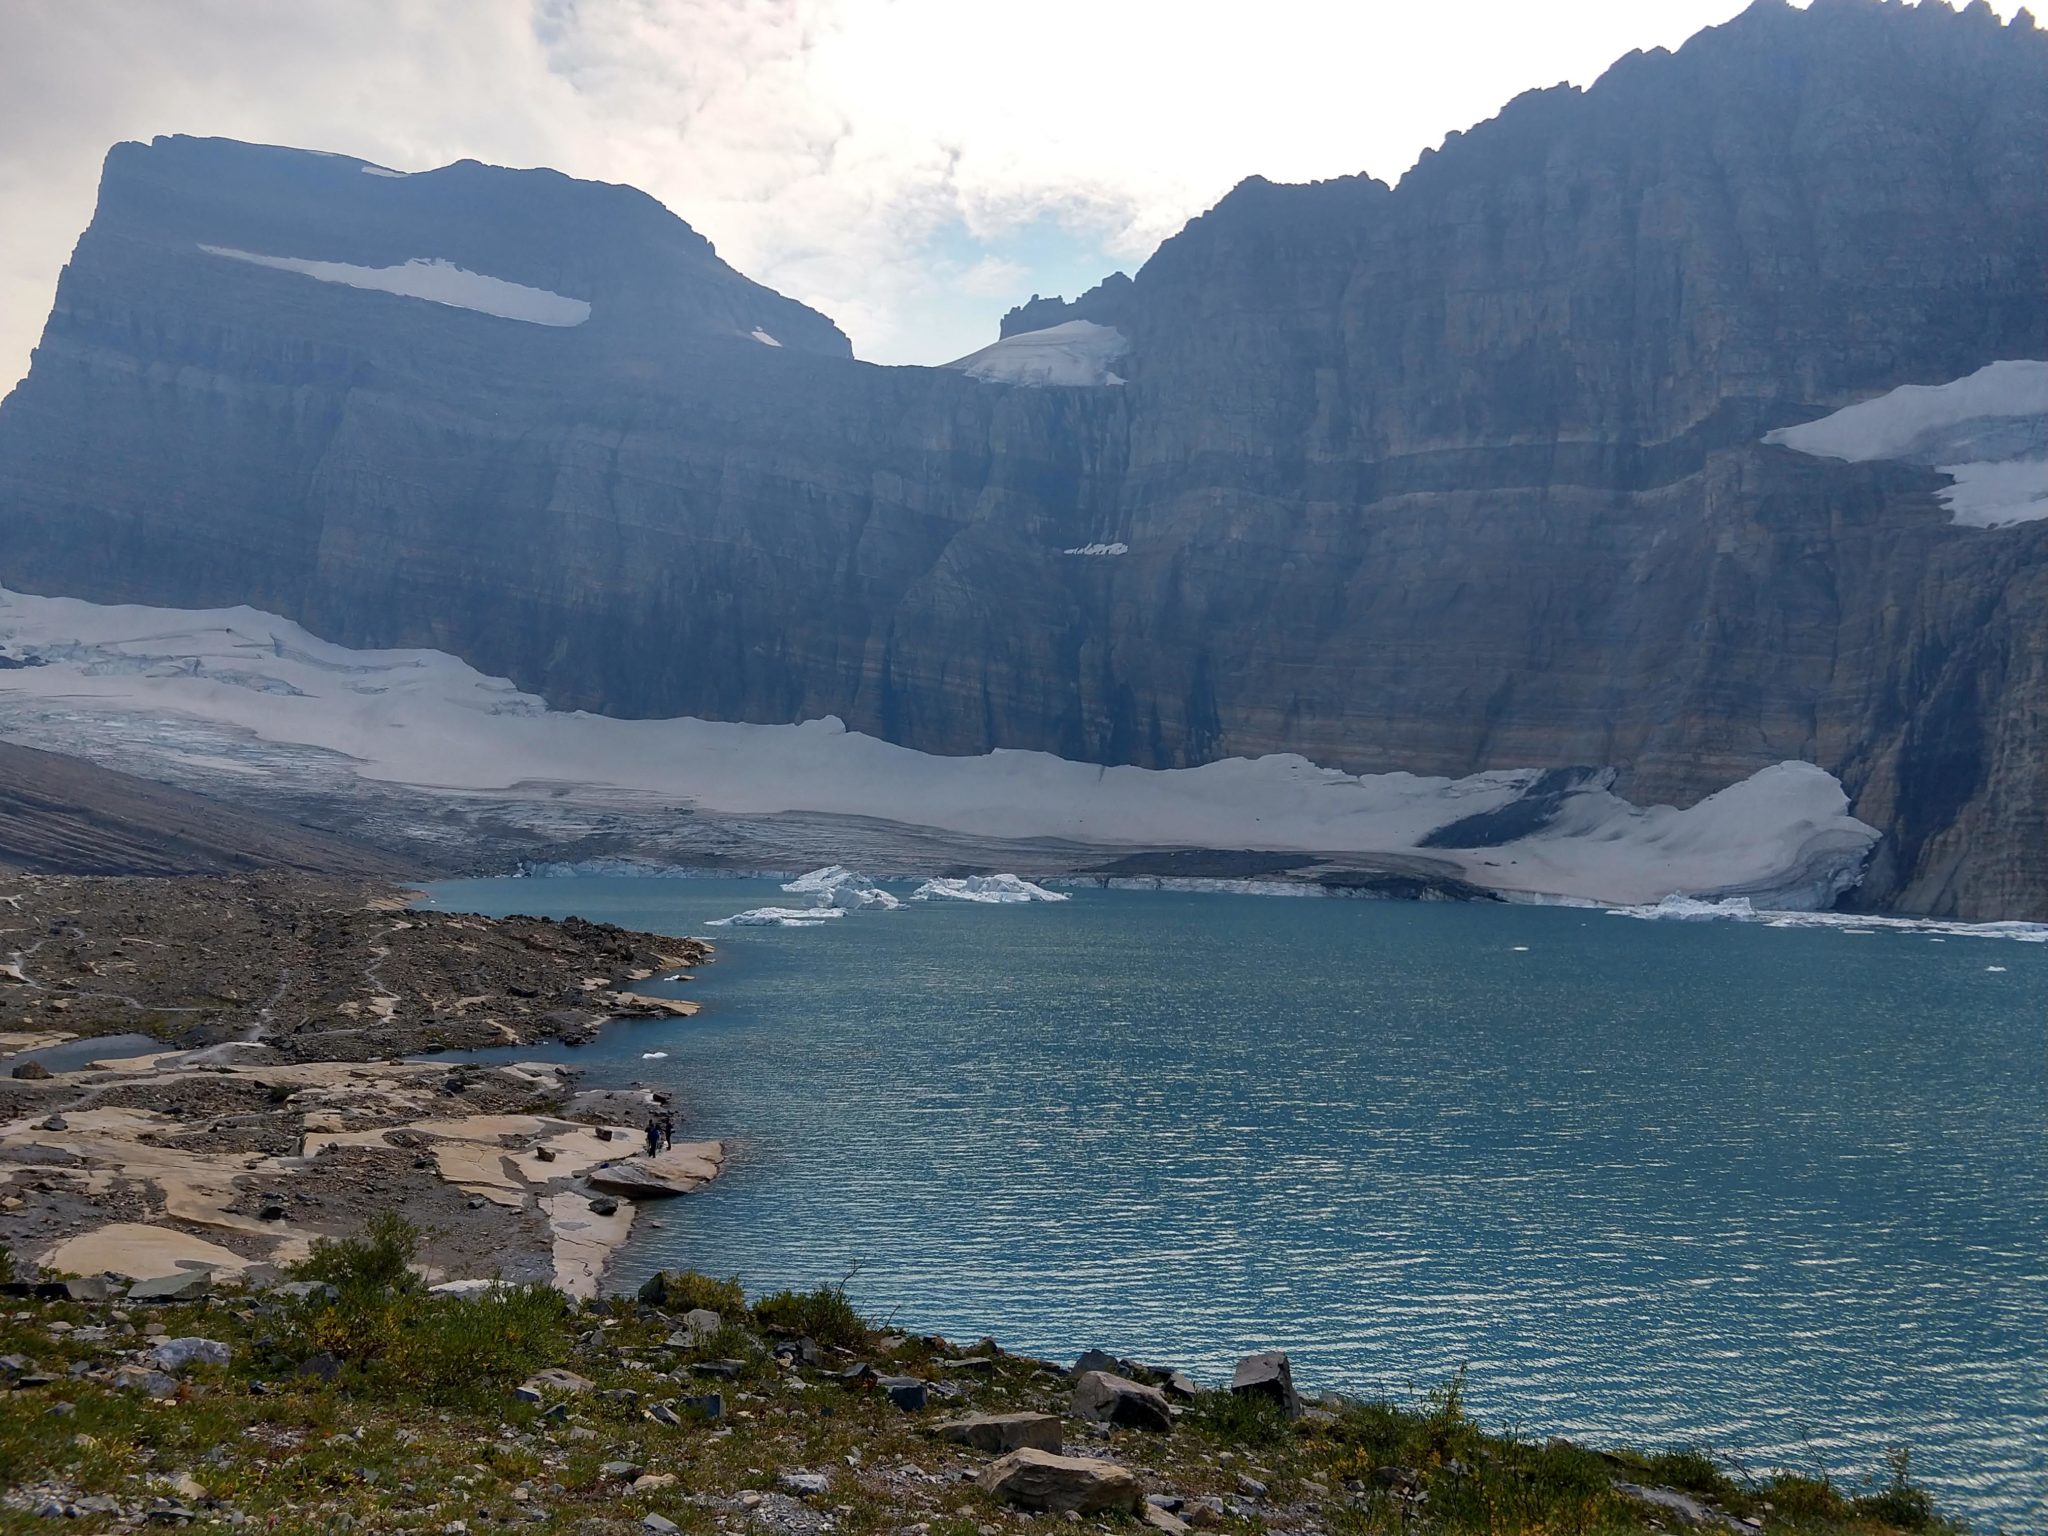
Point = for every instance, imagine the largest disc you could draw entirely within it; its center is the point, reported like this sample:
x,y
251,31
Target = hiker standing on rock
x,y
653,1136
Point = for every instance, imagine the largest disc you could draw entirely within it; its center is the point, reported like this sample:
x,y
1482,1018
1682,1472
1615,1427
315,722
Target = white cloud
x,y
840,150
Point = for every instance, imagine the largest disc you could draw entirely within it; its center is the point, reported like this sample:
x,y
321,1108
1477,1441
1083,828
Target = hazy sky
x,y
911,167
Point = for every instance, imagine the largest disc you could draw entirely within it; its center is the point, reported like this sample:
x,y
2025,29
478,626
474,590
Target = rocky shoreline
x,y
260,1085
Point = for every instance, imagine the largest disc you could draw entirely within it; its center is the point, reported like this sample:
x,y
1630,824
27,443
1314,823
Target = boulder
x,y
182,1354
699,1325
32,1072
803,1484
1267,1375
1106,1398
1164,1520
89,1288
997,1433
906,1392
1040,1480
551,1382
185,1285
136,1378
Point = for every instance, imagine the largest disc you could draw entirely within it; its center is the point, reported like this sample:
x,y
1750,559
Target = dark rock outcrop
x,y
1460,474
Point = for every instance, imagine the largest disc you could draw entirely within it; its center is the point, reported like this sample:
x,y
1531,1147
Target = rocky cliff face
x,y
1461,474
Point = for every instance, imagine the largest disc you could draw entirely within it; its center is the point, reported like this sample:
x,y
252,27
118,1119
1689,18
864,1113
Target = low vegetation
x,y
357,1400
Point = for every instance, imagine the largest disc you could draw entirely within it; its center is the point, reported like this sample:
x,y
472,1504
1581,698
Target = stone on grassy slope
x,y
1040,1480
997,1433
1267,1375
1106,1398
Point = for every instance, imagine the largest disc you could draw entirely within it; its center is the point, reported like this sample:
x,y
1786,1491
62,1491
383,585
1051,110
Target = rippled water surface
x,y
1781,1193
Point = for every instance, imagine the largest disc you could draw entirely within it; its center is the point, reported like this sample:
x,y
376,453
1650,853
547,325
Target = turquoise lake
x,y
1783,1194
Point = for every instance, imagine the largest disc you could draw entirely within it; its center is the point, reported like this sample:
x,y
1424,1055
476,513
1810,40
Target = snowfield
x,y
438,282
271,691
1987,431
1076,352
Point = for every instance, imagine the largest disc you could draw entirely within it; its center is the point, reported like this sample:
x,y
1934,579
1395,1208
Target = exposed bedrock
x,y
1459,475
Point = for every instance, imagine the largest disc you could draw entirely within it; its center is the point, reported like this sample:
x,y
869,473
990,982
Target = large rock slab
x,y
1040,1480
1268,1375
1106,1398
998,1433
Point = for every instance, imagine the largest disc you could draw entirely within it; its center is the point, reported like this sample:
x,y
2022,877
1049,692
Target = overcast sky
x,y
911,167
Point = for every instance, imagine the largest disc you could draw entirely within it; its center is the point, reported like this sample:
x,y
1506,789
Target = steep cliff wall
x,y
1461,474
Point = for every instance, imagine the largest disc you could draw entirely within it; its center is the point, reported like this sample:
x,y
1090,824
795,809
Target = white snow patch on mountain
x,y
1118,548
265,688
763,337
380,170
1073,352
436,281
1987,431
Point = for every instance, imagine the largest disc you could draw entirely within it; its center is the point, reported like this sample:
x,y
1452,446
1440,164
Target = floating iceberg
x,y
1687,909
989,890
779,917
837,886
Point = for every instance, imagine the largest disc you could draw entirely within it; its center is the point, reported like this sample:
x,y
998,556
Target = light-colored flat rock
x,y
139,1252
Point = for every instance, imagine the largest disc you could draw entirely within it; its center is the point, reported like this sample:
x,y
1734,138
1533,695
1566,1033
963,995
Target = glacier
x,y
227,693
1074,352
1987,431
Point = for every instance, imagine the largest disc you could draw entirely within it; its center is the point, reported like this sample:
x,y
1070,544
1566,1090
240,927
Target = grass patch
x,y
824,1314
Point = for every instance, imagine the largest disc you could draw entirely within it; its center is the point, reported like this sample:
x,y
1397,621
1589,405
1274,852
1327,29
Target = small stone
x,y
906,1392
320,1367
661,1413
805,1485
183,1354
604,1205
1250,1486
135,1378
623,1471
661,1525
1164,1520
650,1482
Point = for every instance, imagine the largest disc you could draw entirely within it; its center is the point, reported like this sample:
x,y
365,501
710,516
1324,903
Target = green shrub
x,y
397,1340
1689,1468
1240,1418
1899,1502
1796,1498
685,1290
377,1262
824,1314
